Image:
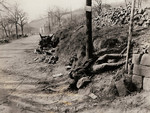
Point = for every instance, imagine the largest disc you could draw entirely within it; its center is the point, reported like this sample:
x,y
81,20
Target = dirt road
x,y
16,80
19,77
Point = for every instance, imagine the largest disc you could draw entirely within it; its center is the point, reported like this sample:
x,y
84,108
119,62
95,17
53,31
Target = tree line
x,y
12,17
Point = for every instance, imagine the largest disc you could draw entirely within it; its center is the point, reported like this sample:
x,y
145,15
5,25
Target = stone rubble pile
x,y
121,16
47,49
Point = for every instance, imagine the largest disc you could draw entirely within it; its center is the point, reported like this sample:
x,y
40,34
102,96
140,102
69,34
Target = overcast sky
x,y
38,8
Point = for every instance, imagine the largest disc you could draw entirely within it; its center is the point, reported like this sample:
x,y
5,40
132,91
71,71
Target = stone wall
x,y
141,71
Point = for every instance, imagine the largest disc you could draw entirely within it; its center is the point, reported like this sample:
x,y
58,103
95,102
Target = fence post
x,y
49,24
130,33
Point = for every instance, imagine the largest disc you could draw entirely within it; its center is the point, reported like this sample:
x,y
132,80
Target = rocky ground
x,y
21,81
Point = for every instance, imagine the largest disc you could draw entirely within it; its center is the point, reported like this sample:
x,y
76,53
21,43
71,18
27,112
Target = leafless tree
x,y
10,27
98,6
139,3
50,19
3,5
4,19
59,14
22,20
14,17
4,24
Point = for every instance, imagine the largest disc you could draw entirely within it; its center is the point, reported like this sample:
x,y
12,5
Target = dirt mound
x,y
71,41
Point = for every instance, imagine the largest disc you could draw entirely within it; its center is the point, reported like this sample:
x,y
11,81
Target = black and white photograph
x,y
74,56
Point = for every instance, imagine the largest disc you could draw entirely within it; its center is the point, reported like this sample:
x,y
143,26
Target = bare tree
x,y
14,16
10,27
98,6
50,19
3,5
4,24
59,14
22,20
139,3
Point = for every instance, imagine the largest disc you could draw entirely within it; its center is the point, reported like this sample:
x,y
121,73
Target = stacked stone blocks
x,y
141,71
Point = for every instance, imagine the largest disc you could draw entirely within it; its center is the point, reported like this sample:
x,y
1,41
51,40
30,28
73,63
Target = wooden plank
x,y
122,90
141,70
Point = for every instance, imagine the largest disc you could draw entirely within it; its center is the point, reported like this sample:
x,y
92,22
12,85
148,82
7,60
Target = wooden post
x,y
89,43
71,16
139,3
126,3
52,20
49,25
130,34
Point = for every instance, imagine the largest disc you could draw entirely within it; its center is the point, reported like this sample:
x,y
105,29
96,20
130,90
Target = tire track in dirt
x,y
19,77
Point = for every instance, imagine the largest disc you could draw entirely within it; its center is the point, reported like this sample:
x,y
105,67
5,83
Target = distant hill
x,y
37,24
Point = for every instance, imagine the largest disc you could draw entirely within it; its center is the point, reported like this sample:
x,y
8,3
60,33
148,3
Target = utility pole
x,y
89,43
130,34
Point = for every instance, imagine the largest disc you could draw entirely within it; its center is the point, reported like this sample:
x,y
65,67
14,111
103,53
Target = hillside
x,y
51,73
102,85
102,80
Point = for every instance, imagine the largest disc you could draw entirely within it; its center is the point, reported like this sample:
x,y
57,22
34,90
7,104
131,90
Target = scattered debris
x,y
81,82
92,95
47,47
121,16
68,67
79,28
36,59
48,42
57,75
38,51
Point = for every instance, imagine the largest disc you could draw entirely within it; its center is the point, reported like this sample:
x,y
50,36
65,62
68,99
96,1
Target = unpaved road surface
x,y
19,88
17,82
19,77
